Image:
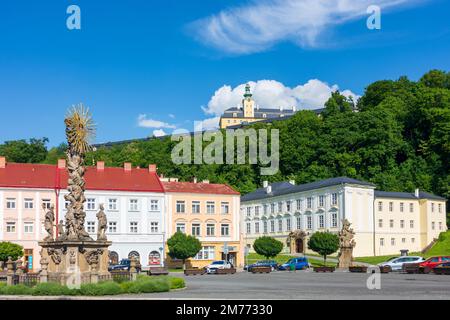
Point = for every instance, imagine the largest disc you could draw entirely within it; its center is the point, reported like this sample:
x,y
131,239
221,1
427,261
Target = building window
x,y
133,227
206,253
440,225
411,224
211,230
309,202
266,209
225,208
133,205
432,225
90,204
210,207
334,221
265,226
272,208
28,203
321,201
321,221
309,222
154,205
432,207
381,242
391,223
154,227
288,206
264,115
257,227
402,207
249,228
391,206
249,211
181,206
10,203
411,207
413,240
334,199
288,224
440,208
402,224
28,227
112,204
299,222
380,206
181,227
280,225
91,226
380,223
299,204
196,229
195,206
10,227
403,240
272,225
280,206
112,226
225,229
392,241
46,203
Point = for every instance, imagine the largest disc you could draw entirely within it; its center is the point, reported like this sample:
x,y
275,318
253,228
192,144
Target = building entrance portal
x,y
299,246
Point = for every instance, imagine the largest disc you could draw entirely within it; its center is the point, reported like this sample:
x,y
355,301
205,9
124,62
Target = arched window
x,y
113,257
134,254
154,258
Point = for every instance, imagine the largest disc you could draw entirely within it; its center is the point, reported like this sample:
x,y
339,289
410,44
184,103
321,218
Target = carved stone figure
x,y
55,254
92,256
48,223
346,244
102,222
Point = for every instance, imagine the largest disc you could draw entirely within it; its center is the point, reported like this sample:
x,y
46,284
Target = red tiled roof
x,y
24,175
191,187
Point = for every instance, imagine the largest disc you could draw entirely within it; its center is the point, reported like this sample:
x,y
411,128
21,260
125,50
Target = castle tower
x,y
248,103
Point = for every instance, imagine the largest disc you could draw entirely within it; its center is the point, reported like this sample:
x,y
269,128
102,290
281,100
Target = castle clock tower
x,y
248,103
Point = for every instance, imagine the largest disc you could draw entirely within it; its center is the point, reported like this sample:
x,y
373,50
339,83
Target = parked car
x,y
263,263
125,265
432,262
397,263
300,264
219,264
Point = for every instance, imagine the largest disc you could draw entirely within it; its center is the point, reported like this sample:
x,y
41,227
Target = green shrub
x,y
100,289
177,283
146,284
18,289
126,285
51,289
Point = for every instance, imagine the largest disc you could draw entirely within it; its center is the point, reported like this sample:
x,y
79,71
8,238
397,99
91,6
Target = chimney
x,y
2,162
269,189
265,184
416,193
127,166
100,165
292,182
281,108
61,163
152,168
205,181
294,108
194,180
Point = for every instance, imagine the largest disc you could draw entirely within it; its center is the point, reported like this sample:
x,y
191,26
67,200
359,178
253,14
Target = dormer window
x,y
264,115
234,114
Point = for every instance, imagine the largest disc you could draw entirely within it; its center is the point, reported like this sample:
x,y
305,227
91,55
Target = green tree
x,y
182,246
22,151
267,246
324,243
9,249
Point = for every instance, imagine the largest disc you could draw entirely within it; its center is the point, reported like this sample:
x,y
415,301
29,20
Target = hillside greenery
x,y
399,139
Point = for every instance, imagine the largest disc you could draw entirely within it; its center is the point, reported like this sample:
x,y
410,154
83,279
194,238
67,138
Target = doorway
x,y
299,245
231,257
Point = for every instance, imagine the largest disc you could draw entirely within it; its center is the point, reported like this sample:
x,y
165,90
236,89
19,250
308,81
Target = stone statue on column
x,y
102,223
49,222
346,244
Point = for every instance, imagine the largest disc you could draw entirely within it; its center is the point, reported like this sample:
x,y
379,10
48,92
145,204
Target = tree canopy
x,y
267,246
182,246
324,243
9,249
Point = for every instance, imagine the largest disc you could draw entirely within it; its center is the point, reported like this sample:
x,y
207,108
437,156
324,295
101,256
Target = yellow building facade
x,y
209,212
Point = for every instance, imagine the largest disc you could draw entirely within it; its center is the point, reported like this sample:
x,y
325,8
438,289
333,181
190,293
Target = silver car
x,y
397,263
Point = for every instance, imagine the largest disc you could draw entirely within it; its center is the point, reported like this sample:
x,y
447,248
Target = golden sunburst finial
x,y
80,129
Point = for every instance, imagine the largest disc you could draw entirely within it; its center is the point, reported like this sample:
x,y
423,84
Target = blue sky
x,y
168,63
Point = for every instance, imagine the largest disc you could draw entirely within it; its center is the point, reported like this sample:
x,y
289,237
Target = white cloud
x,y
159,133
207,124
273,94
171,115
151,123
259,24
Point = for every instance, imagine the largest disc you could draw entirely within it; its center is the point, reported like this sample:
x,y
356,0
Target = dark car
x,y
300,263
263,263
124,264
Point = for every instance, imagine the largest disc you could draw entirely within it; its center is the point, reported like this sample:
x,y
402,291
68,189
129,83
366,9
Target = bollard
x,y
9,272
